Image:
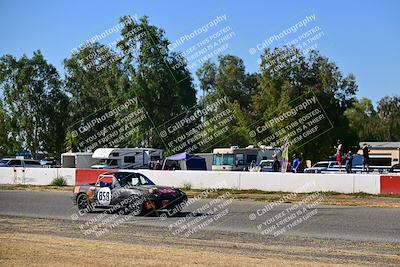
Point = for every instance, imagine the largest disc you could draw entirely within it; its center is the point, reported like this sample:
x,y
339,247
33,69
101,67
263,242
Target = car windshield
x,y
134,179
265,164
144,180
3,161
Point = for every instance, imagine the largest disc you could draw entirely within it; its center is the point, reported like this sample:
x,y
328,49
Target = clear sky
x,y
362,37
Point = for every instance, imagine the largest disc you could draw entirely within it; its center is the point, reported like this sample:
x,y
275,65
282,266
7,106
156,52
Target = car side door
x,y
120,190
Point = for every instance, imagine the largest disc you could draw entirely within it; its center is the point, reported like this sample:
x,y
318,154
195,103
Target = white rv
x,y
125,158
239,159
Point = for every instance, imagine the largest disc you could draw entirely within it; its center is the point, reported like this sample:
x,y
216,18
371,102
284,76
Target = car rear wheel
x,y
82,201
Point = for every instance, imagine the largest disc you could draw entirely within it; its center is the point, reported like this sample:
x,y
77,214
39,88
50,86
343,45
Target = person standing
x,y
158,165
276,166
151,165
339,153
252,166
288,166
300,166
349,162
296,162
366,151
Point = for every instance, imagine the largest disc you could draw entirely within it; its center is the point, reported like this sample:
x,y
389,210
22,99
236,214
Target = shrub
x,y
59,181
187,186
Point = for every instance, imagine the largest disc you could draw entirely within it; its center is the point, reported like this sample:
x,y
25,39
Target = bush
x,y
59,181
187,186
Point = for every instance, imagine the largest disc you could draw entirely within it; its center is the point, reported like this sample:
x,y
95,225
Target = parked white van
x,y
17,162
125,158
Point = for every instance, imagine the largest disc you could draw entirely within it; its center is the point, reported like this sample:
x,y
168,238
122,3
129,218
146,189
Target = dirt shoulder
x,y
41,188
329,198
28,249
27,241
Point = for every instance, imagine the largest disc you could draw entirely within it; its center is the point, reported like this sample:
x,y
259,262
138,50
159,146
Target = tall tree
x,y
288,70
97,84
207,77
8,146
29,86
285,74
363,120
160,79
228,79
389,114
91,79
231,79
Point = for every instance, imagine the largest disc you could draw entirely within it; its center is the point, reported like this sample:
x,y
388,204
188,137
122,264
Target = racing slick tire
x,y
82,201
179,207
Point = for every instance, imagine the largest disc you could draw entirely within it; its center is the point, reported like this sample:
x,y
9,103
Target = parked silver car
x,y
25,163
331,166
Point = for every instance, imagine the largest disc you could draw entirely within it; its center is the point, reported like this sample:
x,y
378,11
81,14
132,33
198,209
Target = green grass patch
x,y
59,181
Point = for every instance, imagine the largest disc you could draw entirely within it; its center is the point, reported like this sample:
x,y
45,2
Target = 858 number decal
x,y
104,196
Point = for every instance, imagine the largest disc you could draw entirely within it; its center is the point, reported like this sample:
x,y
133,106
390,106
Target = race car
x,y
129,191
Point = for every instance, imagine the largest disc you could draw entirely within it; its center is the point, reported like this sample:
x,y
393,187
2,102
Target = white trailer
x,y
77,160
125,158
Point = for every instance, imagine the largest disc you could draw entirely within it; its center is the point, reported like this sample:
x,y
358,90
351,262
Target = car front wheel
x,y
135,207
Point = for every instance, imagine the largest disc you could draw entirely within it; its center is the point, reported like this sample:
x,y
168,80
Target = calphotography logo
x,y
198,128
201,30
302,123
286,33
110,128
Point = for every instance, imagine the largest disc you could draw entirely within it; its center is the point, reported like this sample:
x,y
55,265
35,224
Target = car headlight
x,y
153,190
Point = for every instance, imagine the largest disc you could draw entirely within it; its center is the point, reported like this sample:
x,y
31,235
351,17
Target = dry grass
x,y
25,187
32,249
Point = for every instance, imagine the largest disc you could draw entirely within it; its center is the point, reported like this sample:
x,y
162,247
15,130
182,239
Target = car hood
x,y
147,187
163,190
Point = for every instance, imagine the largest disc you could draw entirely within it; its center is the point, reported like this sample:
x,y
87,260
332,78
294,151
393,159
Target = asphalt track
x,y
329,222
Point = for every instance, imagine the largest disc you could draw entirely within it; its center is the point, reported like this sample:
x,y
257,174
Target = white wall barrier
x,y
196,179
299,182
35,176
289,182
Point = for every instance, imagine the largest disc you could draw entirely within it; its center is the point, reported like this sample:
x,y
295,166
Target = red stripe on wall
x,y
390,184
88,176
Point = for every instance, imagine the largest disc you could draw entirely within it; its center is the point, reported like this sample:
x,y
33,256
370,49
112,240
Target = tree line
x,y
41,110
